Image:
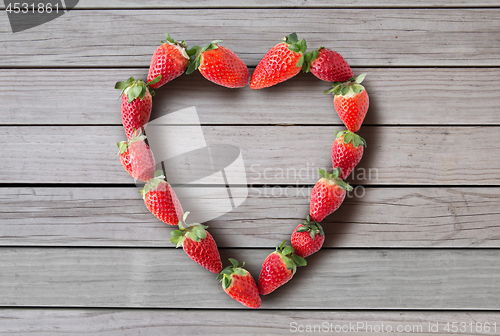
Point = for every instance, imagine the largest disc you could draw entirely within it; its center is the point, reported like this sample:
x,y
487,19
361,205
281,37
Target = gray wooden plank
x,y
167,278
114,322
272,155
95,4
378,217
452,96
399,37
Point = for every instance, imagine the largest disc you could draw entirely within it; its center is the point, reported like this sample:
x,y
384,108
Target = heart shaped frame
x,y
222,66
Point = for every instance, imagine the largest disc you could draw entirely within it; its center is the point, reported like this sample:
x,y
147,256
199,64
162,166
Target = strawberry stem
x,y
349,87
334,176
351,137
312,227
309,58
171,41
133,89
296,46
153,183
194,231
198,51
225,276
288,255
137,136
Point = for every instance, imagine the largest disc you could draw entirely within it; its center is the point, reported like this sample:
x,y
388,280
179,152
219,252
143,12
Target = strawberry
x,y
220,65
161,200
278,268
327,65
137,158
239,284
351,102
137,103
327,194
347,151
307,238
198,244
169,61
281,62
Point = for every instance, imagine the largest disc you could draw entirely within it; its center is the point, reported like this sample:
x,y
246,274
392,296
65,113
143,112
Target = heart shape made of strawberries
x,y
222,66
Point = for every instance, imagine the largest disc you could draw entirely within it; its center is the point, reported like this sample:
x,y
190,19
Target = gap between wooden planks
x,y
381,217
114,322
161,278
398,96
396,37
273,155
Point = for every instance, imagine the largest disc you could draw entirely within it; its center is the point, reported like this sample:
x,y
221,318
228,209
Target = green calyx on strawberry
x,y
182,46
239,284
194,231
296,46
335,176
278,268
124,145
198,244
153,183
313,227
291,260
225,276
307,238
348,88
197,51
308,58
351,136
135,88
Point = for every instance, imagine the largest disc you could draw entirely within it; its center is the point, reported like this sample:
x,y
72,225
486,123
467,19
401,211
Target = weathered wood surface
x,y
398,37
272,155
94,246
418,96
162,278
196,4
380,217
119,322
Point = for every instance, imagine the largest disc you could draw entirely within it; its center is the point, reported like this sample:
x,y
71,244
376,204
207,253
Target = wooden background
x,y
81,254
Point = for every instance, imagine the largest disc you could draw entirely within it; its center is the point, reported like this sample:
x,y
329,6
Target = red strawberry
x,y
169,61
137,103
220,65
199,245
281,62
327,195
347,151
137,158
327,65
307,238
161,200
278,268
351,102
239,284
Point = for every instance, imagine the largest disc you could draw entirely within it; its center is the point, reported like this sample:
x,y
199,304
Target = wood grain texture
x,y
162,278
73,251
119,322
446,96
398,37
272,155
196,4
379,217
